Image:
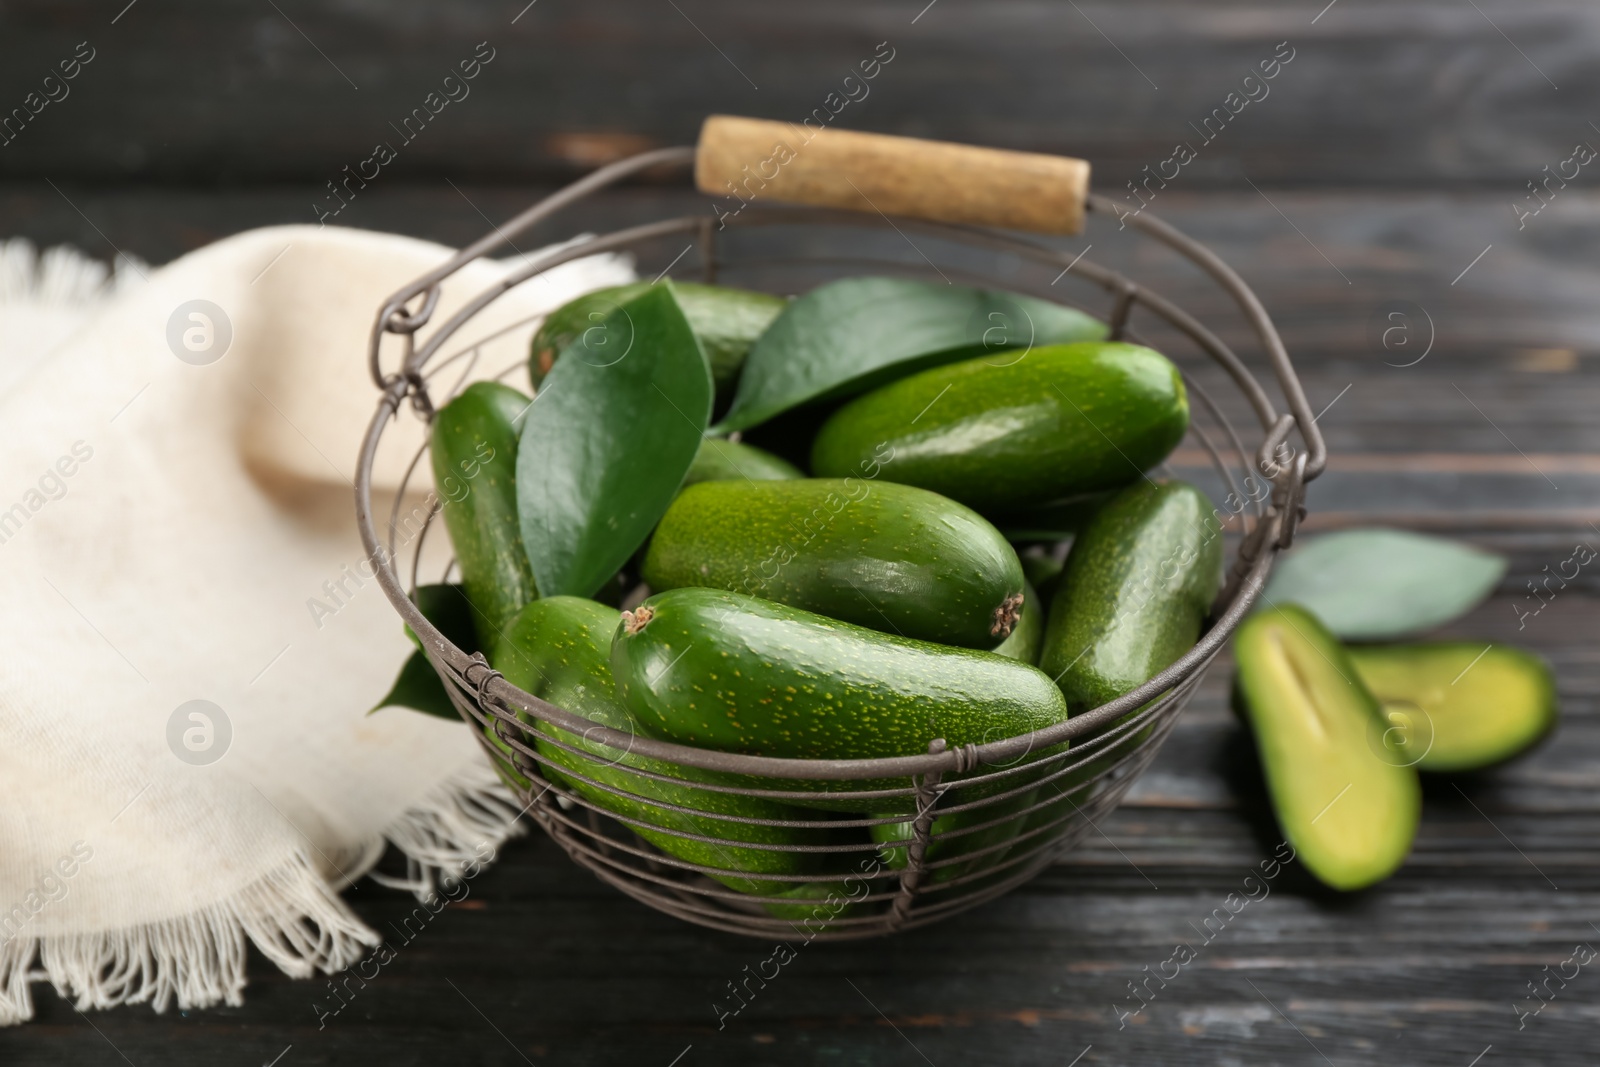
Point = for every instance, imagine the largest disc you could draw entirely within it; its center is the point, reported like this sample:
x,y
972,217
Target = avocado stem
x,y
1006,615
638,619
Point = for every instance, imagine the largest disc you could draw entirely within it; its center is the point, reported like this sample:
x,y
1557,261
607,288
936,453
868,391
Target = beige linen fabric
x,y
165,525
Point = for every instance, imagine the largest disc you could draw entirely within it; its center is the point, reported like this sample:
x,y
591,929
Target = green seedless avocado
x,y
1458,705
1135,592
1347,803
727,322
1004,432
889,557
727,671
558,649
1137,586
474,454
721,460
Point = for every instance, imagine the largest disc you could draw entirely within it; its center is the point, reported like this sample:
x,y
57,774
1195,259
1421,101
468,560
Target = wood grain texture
x,y
1381,173
1427,92
740,159
542,964
1514,343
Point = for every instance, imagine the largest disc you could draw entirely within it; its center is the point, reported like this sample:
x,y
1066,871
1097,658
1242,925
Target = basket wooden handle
x,y
754,159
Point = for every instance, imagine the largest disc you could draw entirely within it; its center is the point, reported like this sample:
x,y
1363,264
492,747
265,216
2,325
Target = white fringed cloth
x,y
167,526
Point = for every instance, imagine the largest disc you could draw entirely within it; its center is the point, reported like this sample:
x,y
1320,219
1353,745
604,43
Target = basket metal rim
x,y
457,668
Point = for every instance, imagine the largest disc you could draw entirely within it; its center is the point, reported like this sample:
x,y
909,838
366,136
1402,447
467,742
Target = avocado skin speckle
x,y
558,649
473,450
1004,432
1137,587
888,557
811,687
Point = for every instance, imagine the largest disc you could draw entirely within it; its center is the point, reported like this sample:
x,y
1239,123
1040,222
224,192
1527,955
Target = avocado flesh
x,y
1459,706
1347,804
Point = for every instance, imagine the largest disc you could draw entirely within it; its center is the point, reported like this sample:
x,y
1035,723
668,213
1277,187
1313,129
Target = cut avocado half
x,y
1459,706
1347,803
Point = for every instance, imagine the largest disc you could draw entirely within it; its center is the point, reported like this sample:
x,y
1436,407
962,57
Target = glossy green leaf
x,y
607,442
1375,584
418,686
850,335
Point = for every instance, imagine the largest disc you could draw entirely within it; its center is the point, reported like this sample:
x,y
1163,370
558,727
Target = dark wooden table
x,y
1380,172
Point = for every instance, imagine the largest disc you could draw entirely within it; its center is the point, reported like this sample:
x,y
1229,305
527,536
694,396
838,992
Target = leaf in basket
x,y
418,686
608,440
447,607
1376,584
850,335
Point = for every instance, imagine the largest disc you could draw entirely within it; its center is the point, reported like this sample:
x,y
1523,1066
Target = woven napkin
x,y
192,639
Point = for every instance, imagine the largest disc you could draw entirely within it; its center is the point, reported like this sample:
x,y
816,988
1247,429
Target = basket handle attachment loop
x,y
1285,466
404,383
1289,499
1268,458
1277,527
396,320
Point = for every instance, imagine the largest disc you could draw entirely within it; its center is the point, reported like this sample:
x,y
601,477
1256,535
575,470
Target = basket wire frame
x,y
1034,795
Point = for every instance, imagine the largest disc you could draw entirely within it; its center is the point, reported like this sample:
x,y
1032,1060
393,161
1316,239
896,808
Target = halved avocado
x,y
1459,705
1348,804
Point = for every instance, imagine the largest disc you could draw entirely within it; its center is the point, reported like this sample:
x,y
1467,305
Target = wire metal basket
x,y
1019,802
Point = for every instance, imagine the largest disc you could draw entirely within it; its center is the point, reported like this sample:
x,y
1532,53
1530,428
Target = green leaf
x,y
1376,584
850,335
418,686
607,442
447,607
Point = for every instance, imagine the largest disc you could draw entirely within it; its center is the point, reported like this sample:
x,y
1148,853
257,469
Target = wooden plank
x,y
542,964
1511,339
1429,968
1431,91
